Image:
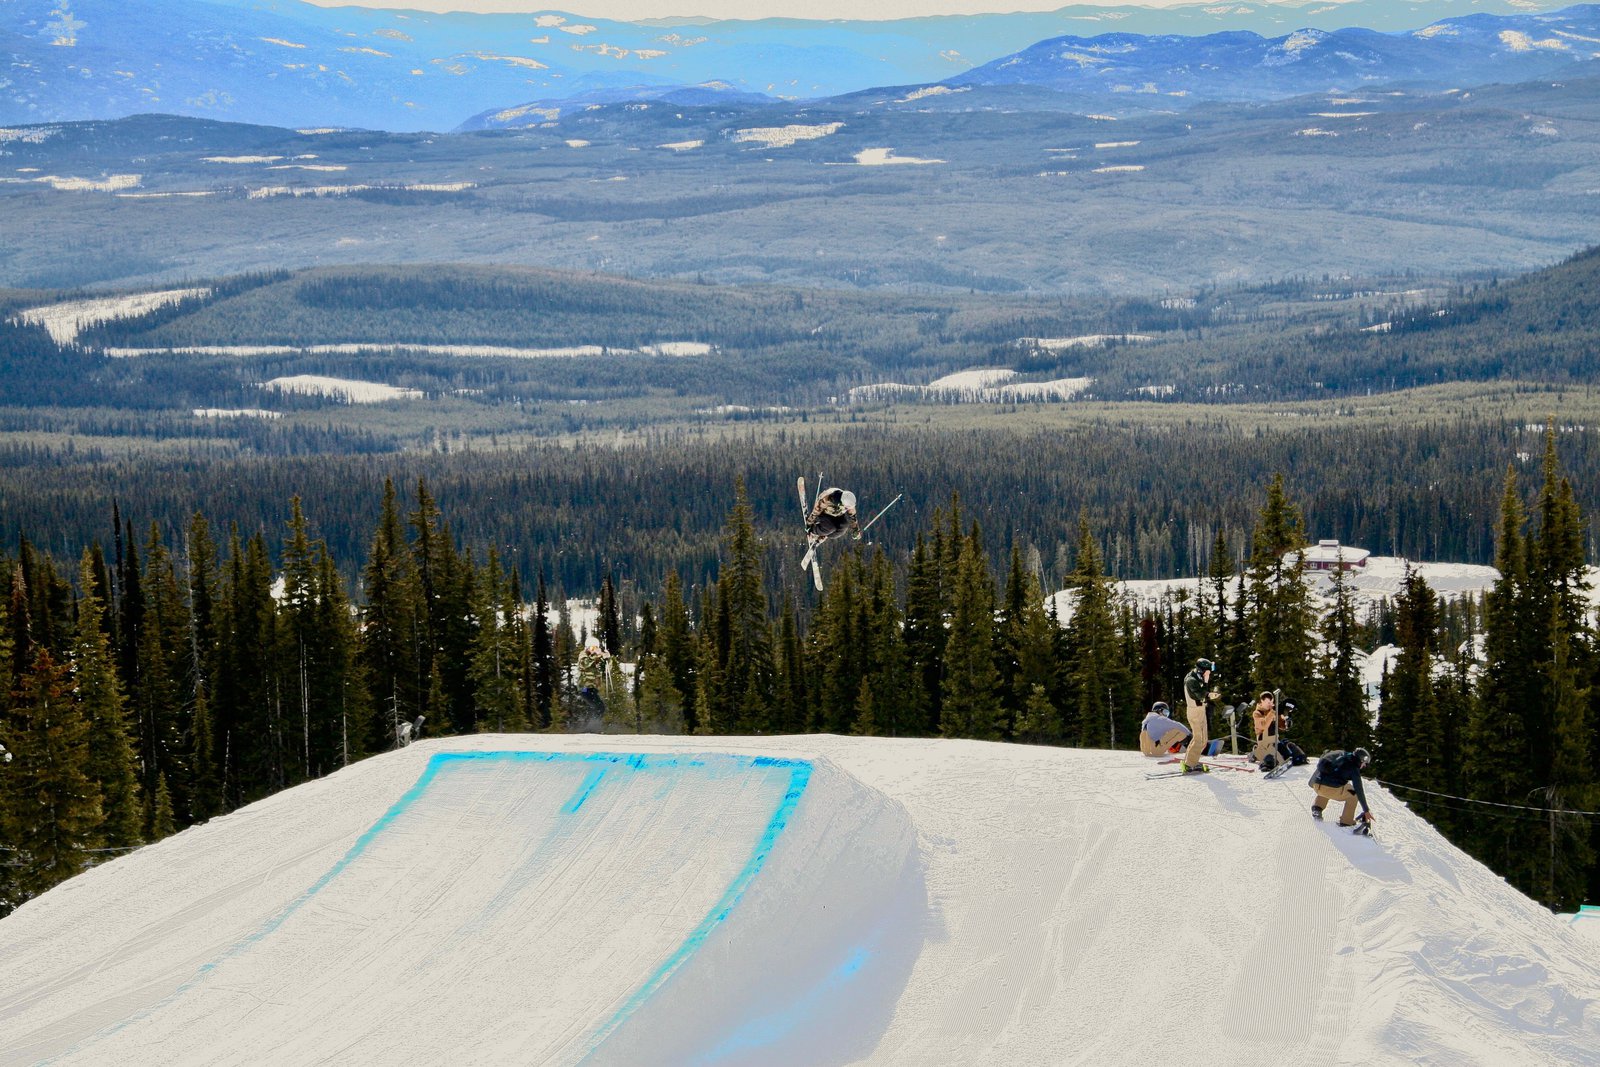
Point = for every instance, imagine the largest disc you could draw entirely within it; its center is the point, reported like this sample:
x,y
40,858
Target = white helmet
x,y
848,499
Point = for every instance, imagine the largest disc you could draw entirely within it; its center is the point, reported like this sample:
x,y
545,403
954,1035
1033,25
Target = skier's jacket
x,y
1196,688
1158,726
1337,768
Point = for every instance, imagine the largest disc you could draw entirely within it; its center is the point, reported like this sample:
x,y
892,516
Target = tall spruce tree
x,y
1283,619
971,690
110,762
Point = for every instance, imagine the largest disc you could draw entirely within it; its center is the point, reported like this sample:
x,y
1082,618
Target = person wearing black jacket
x,y
1199,690
1338,777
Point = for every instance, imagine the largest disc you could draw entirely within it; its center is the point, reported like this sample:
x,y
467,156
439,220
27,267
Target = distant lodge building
x,y
1331,555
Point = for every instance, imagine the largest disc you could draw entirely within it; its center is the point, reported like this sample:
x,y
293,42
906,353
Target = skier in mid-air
x,y
832,516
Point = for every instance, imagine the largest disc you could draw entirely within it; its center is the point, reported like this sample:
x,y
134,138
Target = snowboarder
x,y
1199,689
1338,777
832,515
1160,733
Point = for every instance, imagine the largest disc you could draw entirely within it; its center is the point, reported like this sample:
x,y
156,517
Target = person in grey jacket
x,y
1160,733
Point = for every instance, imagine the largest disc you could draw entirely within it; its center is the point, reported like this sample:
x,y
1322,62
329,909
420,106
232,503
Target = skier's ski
x,y
805,507
1219,765
816,571
1279,771
809,560
879,515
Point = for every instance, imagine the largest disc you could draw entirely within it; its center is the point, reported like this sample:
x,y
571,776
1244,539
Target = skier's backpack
x,y
1325,764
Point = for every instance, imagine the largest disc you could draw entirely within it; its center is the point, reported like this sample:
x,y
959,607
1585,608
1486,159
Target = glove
x,y
1366,816
1215,694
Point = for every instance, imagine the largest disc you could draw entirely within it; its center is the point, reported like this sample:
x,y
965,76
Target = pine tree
x,y
498,703
110,760
610,619
970,695
1094,667
392,636
53,806
1409,725
1341,721
747,664
544,661
1283,619
925,636
660,704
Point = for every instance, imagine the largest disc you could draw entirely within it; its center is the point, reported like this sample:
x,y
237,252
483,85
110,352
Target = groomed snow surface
x,y
787,901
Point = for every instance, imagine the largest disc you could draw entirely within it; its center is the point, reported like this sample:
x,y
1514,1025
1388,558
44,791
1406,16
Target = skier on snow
x,y
1160,733
1338,777
1198,691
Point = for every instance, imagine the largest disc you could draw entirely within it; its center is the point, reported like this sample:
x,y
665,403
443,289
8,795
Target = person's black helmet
x,y
1203,664
1288,706
1160,707
1363,755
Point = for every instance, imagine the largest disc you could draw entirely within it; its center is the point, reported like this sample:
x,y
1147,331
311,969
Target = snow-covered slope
x,y
813,900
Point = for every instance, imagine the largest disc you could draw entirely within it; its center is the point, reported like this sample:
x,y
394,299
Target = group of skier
x,y
1337,776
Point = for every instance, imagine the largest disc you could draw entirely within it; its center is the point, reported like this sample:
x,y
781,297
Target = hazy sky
x,y
628,10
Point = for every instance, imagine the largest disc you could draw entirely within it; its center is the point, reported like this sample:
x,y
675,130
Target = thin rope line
x,y
1489,803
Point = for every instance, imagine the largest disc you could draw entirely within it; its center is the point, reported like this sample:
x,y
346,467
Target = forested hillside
x,y
155,680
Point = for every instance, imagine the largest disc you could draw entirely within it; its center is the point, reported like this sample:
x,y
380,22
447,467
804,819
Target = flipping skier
x,y
832,516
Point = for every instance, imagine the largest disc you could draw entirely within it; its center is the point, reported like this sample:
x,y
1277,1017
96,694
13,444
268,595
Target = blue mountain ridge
x,y
289,63
1240,65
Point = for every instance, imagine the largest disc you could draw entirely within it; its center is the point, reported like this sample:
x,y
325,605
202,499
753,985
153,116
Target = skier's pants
x,y
1345,793
1156,748
1197,723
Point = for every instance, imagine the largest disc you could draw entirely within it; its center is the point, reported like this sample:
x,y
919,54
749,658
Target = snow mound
x,y
800,900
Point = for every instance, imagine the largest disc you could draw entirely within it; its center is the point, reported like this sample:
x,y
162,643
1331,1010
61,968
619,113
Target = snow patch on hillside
x,y
931,90
65,322
345,390
236,413
879,157
786,136
682,146
1518,41
1091,340
665,348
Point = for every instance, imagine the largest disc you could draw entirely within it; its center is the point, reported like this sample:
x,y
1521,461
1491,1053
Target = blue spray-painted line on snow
x,y
799,777
769,1029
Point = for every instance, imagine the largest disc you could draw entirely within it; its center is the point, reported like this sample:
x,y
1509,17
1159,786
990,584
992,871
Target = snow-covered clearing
x,y
1342,114
879,157
1314,131
1092,340
971,379
345,390
1518,41
345,190
65,321
682,146
1130,168
792,901
786,136
665,348
240,159
574,142
984,385
931,90
1059,389
28,135
543,114
236,413
107,184
1116,144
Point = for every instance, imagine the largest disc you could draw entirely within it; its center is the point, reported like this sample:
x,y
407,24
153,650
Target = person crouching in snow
x,y
1160,733
1338,777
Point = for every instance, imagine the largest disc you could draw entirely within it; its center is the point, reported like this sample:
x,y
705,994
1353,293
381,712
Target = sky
x,y
632,10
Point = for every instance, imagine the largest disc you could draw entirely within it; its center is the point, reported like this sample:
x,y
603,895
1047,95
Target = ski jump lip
x,y
799,773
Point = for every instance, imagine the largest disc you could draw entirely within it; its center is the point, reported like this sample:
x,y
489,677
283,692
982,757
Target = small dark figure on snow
x,y
1160,733
832,516
1338,777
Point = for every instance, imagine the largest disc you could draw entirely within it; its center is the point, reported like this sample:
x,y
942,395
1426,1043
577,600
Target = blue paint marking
x,y
768,1029
799,777
800,774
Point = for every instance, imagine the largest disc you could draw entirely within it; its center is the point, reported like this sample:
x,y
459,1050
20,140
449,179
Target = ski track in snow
x,y
791,901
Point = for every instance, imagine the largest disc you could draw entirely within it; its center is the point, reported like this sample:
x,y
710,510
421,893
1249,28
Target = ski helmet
x,y
1203,664
1363,755
848,499
1160,708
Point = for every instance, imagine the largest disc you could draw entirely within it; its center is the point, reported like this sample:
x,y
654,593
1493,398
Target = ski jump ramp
x,y
788,901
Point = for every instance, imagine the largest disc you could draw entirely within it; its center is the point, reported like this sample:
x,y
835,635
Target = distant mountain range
x,y
287,63
1460,52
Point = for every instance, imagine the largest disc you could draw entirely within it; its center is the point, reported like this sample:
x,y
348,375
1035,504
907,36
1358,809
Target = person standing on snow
x,y
831,515
1338,777
1160,733
1198,691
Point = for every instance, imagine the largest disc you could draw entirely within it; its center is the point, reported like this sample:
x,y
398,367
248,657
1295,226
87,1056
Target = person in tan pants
x,y
1197,692
1160,733
1338,777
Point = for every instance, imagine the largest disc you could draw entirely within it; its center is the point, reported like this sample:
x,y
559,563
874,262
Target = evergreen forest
x,y
156,678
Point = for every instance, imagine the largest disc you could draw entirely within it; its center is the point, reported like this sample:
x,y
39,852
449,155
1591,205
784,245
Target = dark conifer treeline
x,y
177,678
